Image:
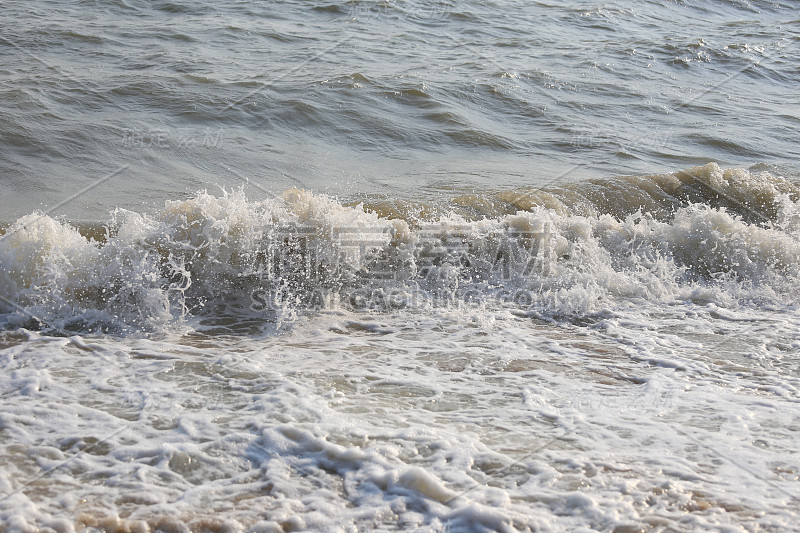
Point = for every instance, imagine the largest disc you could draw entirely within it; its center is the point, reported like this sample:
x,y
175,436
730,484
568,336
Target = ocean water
x,y
399,266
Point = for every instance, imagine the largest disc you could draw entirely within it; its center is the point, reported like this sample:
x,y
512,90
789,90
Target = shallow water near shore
x,y
300,364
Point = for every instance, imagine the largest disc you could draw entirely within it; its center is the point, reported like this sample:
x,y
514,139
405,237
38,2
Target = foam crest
x,y
571,251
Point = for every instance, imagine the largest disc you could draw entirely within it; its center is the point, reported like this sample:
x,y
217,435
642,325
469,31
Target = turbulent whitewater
x,y
505,360
700,235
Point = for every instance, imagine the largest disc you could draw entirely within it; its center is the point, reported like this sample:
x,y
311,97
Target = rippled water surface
x,y
358,97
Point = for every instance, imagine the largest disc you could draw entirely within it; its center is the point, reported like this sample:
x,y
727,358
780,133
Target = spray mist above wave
x,y
702,235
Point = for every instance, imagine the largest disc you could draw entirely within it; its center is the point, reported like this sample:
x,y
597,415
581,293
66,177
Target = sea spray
x,y
217,256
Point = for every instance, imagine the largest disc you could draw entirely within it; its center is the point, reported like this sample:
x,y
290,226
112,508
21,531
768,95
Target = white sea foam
x,y
212,255
430,421
534,371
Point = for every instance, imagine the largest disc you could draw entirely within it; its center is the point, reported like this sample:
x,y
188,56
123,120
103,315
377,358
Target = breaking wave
x,y
703,234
